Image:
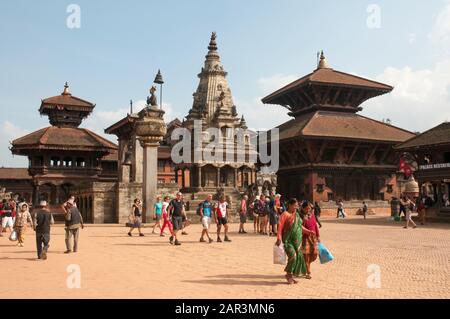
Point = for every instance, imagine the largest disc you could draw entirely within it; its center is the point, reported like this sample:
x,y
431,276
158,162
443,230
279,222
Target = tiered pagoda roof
x,y
63,138
339,125
326,89
65,112
324,104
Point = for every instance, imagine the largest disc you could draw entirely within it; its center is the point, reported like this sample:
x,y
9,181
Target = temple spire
x,y
66,89
323,64
212,49
212,43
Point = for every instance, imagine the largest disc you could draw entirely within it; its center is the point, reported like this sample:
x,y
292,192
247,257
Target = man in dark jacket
x,y
74,221
42,221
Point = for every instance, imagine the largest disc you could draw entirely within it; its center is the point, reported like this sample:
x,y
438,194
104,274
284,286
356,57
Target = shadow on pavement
x,y
235,282
29,259
381,221
248,276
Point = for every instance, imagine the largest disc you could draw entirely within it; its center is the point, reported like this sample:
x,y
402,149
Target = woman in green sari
x,y
290,233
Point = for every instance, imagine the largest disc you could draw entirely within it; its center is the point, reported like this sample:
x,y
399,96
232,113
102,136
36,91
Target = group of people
x,y
406,206
171,213
40,220
266,212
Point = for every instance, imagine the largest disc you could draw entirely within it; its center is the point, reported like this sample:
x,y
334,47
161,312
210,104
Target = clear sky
x,y
115,54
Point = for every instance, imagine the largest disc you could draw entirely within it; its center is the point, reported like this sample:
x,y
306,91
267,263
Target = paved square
x,y
413,263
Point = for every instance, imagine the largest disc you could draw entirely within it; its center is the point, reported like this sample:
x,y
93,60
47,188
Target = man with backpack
x,y
205,210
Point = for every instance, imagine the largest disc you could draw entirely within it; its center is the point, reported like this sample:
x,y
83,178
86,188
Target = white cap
x,y
43,203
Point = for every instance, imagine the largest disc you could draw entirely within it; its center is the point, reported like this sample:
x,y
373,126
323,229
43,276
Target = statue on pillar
x,y
151,100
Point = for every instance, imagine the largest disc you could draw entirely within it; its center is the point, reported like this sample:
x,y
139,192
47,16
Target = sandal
x,y
308,276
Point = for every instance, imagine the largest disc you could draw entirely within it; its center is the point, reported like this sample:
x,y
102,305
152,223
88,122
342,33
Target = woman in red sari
x,y
290,233
311,239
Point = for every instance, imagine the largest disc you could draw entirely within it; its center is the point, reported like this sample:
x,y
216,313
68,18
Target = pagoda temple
x,y
65,159
328,151
213,107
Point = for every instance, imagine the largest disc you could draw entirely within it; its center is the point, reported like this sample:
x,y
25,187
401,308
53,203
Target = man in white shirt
x,y
220,216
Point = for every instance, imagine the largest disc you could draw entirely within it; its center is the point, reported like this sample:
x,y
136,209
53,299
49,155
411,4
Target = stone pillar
x,y
183,179
218,177
235,178
138,163
126,169
191,177
35,195
150,181
200,177
176,175
57,194
150,130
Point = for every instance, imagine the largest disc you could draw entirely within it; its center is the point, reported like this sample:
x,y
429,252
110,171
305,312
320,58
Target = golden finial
x,y
323,64
66,89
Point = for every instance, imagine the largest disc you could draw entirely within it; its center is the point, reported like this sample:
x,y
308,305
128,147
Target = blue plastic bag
x,y
324,254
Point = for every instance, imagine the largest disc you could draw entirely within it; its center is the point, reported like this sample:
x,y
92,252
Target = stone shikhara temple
x,y
213,107
330,152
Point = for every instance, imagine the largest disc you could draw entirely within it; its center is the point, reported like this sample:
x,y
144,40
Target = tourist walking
x,y
206,211
254,211
176,212
273,217
7,211
279,208
73,222
23,219
136,217
220,216
365,209
185,221
157,213
409,207
13,204
422,210
340,210
311,239
260,207
265,223
290,233
165,216
402,207
317,212
243,214
43,220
